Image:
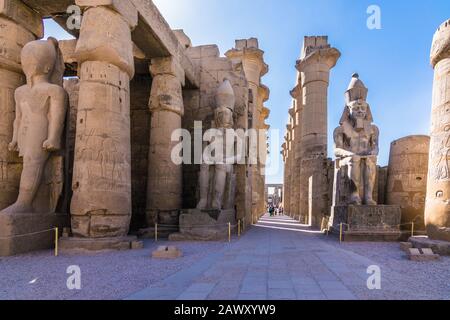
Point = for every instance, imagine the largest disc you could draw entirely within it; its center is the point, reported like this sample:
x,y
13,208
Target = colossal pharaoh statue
x,y
40,114
356,144
216,176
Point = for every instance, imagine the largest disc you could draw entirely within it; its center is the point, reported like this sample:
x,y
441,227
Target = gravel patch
x,y
110,275
402,279
311,265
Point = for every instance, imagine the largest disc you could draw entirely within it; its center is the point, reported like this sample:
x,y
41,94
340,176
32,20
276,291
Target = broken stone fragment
x,y
164,252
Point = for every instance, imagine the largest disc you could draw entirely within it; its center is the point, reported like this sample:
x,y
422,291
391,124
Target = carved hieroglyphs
x,y
407,178
165,182
101,203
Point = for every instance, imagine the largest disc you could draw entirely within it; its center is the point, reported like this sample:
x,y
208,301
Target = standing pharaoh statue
x,y
216,172
356,144
40,114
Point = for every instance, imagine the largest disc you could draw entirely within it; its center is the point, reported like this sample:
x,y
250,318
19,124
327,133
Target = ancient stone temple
x,y
95,153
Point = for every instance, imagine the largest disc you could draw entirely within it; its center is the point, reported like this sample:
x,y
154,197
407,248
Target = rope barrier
x,y
56,230
342,231
197,226
26,234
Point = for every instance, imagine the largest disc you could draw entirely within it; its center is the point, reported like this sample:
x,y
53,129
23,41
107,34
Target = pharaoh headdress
x,y
356,91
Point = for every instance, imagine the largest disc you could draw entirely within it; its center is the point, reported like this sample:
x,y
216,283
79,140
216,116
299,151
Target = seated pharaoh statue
x,y
41,106
356,145
216,178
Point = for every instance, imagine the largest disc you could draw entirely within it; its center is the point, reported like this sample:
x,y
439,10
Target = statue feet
x,y
216,205
355,199
18,208
371,202
202,204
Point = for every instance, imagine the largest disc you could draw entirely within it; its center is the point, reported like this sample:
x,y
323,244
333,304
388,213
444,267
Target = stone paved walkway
x,y
282,259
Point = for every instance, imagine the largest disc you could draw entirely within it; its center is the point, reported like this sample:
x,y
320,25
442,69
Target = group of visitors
x,y
275,211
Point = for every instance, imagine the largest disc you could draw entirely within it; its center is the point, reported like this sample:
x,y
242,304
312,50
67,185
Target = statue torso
x,y
34,104
358,141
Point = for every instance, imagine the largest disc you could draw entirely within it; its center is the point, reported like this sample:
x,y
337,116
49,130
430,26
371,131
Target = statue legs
x,y
204,186
354,172
370,172
221,179
32,173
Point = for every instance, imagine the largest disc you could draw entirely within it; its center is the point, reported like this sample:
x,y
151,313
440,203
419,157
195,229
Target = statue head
x,y
357,110
225,95
43,58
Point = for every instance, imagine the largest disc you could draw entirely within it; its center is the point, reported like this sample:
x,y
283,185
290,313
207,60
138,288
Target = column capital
x,y
125,8
292,112
264,92
105,36
289,129
296,93
252,60
167,66
327,57
23,15
265,112
441,44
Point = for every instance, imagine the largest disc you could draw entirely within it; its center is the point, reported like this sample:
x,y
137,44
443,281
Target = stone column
x,y
437,209
289,155
264,113
297,96
293,164
19,25
317,60
407,178
101,203
165,178
283,153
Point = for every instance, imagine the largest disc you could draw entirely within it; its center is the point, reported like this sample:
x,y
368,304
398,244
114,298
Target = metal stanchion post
x,y
239,228
56,241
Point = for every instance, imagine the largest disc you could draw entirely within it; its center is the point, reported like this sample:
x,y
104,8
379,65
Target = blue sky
x,y
393,62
